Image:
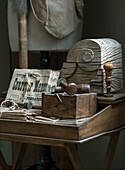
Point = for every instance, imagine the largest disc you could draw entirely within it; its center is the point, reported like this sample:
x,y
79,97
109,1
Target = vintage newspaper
x,y
29,84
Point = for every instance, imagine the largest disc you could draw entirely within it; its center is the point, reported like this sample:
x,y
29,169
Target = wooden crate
x,y
72,106
85,63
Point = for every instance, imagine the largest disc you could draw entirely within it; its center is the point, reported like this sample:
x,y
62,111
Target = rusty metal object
x,y
59,89
61,82
108,71
28,105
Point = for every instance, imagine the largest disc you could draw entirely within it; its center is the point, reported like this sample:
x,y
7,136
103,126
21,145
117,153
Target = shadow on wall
x,y
5,147
4,48
105,19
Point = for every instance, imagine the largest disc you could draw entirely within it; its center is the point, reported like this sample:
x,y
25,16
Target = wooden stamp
x,y
108,70
72,88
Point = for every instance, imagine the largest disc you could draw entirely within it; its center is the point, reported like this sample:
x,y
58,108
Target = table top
x,y
109,119
117,97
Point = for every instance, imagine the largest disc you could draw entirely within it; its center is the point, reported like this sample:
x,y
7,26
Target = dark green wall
x,y
104,19
4,67
4,48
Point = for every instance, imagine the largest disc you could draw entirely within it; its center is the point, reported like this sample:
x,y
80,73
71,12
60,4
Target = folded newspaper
x,y
34,115
29,84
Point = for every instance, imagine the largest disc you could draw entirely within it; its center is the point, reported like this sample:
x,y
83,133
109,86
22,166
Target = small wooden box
x,y
72,106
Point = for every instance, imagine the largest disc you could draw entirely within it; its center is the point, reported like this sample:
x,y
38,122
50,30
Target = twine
x,y
27,79
47,12
23,96
13,107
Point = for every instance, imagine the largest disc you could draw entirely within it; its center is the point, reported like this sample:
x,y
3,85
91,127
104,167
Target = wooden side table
x,y
109,120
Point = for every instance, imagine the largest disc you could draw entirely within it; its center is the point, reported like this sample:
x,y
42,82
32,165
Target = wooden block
x,y
85,62
72,106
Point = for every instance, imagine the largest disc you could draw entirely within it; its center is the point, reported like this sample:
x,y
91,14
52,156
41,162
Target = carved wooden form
x,y
85,63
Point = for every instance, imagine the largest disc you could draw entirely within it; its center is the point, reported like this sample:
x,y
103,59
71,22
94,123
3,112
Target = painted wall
x,y
4,48
104,19
4,67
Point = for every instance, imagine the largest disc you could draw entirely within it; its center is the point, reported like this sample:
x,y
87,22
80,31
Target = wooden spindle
x,y
21,7
23,50
108,71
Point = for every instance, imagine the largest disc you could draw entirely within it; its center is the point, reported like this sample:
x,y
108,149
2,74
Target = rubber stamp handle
x,y
108,71
83,88
73,88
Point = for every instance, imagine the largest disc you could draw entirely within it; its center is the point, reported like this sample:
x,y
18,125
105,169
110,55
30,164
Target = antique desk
x,y
109,120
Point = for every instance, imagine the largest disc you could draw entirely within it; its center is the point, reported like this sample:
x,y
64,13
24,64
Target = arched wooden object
x,y
85,62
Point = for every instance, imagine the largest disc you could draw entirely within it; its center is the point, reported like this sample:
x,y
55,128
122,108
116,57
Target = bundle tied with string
x,y
11,110
27,85
27,76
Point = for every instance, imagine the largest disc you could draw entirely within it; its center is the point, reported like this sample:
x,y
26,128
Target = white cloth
x,y
38,38
59,18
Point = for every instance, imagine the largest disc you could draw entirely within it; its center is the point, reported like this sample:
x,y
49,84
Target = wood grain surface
x,y
111,117
85,62
72,106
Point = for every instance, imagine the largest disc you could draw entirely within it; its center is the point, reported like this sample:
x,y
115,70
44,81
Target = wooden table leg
x,y
111,151
3,164
74,156
19,156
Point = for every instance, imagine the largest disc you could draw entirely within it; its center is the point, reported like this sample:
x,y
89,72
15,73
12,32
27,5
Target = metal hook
x,y
57,95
